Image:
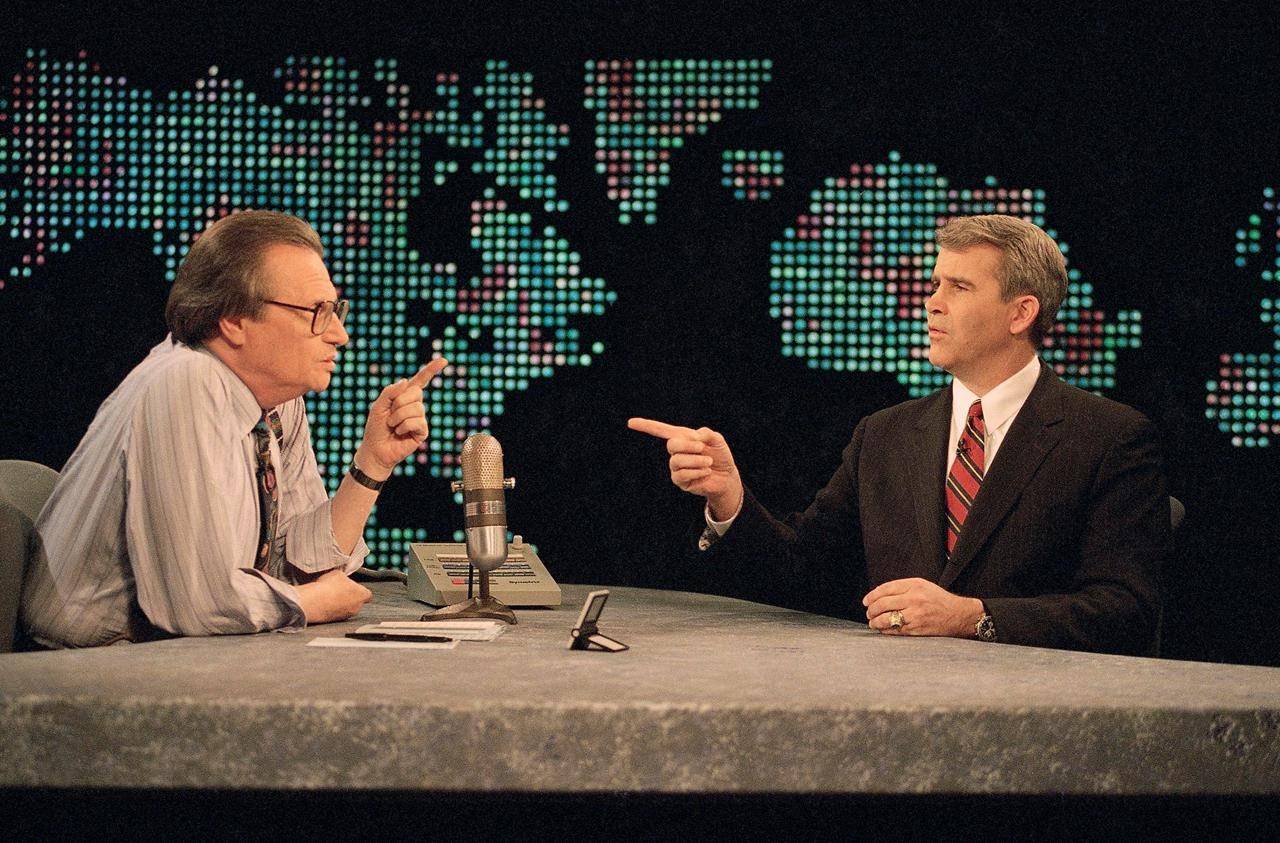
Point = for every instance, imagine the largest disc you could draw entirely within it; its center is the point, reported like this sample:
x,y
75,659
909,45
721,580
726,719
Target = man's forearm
x,y
352,503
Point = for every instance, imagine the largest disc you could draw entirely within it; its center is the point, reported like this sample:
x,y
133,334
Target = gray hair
x,y
221,276
1032,264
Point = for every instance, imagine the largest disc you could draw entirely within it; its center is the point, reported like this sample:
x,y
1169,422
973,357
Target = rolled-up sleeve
x,y
306,525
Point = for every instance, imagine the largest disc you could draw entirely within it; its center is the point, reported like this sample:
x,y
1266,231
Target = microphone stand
x,y
485,606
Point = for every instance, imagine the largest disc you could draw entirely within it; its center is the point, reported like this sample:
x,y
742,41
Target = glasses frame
x,y
338,307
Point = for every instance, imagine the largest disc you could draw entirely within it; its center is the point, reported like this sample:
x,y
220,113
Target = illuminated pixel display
x,y
849,279
82,150
1245,399
350,148
752,175
645,109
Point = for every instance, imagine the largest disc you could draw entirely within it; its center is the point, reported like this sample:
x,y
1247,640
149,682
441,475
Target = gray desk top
x,y
716,695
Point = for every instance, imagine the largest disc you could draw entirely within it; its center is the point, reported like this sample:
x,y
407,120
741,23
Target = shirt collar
x,y
1000,404
243,404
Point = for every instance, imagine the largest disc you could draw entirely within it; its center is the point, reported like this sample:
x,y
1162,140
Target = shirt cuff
x,y
715,529
721,527
285,612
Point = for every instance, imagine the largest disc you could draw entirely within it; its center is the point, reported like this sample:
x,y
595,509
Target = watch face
x,y
986,628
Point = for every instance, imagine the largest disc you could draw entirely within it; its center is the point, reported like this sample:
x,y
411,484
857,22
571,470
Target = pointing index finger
x,y
428,371
662,430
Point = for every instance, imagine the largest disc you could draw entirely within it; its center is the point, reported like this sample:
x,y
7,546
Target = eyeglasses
x,y
321,314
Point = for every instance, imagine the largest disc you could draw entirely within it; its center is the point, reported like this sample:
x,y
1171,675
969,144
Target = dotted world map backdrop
x,y
735,235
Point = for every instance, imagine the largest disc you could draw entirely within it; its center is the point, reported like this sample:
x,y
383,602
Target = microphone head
x,y
484,503
481,462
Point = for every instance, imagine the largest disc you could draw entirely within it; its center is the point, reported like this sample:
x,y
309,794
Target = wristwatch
x,y
364,479
708,537
985,628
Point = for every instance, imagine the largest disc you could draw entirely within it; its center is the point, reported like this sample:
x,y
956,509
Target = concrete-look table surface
x,y
715,696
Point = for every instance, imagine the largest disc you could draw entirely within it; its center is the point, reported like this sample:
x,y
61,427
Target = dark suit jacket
x,y
1064,542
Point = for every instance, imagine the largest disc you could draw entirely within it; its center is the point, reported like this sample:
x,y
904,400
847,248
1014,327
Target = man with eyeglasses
x,y
193,505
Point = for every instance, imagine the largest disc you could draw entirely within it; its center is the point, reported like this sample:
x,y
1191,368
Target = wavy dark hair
x,y
222,274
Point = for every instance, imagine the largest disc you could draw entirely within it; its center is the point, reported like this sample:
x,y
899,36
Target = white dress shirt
x,y
1000,407
157,513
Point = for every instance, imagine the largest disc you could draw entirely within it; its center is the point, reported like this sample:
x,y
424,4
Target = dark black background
x,y
1152,131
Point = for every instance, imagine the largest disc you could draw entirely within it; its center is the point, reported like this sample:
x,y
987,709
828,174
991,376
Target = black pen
x,y
404,636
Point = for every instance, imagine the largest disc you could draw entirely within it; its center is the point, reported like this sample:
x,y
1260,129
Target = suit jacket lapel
x,y
933,429
1033,434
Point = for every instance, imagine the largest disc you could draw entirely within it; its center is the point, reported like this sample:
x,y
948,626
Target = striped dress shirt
x,y
152,527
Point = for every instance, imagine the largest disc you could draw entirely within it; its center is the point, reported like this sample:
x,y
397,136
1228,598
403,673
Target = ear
x,y
233,330
1026,309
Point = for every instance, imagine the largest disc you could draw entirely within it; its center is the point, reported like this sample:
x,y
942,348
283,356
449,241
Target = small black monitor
x,y
586,632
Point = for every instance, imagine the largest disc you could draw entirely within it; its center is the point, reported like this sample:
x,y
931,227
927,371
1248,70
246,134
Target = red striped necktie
x,y
965,478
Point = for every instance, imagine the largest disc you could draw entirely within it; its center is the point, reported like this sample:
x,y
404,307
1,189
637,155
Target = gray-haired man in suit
x,y
1007,507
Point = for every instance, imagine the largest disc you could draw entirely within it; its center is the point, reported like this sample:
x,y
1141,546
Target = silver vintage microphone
x,y
485,514
483,501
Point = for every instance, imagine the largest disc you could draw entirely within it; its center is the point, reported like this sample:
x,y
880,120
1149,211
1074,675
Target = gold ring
x,y
896,620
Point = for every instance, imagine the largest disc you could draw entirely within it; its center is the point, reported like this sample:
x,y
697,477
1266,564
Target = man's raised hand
x,y
701,463
397,423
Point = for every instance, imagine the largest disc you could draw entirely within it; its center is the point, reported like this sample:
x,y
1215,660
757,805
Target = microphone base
x,y
487,608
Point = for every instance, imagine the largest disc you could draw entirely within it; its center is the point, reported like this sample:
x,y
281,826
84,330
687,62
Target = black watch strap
x,y
364,479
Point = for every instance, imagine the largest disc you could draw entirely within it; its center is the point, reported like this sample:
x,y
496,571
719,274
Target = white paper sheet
x,y
463,630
